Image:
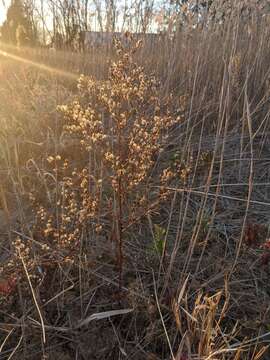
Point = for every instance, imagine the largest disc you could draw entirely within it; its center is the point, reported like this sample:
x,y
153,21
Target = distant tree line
x,y
63,23
19,27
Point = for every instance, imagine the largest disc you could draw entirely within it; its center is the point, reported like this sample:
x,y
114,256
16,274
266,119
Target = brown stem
x,y
120,233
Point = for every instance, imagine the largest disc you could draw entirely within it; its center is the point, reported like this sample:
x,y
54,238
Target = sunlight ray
x,y
40,66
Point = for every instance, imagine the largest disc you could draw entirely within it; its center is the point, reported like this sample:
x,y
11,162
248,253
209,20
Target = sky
x,y
2,12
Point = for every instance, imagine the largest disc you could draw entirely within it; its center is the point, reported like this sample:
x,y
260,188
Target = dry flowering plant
x,y
120,126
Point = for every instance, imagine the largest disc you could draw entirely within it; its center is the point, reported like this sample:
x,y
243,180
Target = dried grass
x,y
195,266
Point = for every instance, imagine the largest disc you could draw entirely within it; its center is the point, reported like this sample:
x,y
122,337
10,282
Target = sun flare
x,y
7,53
